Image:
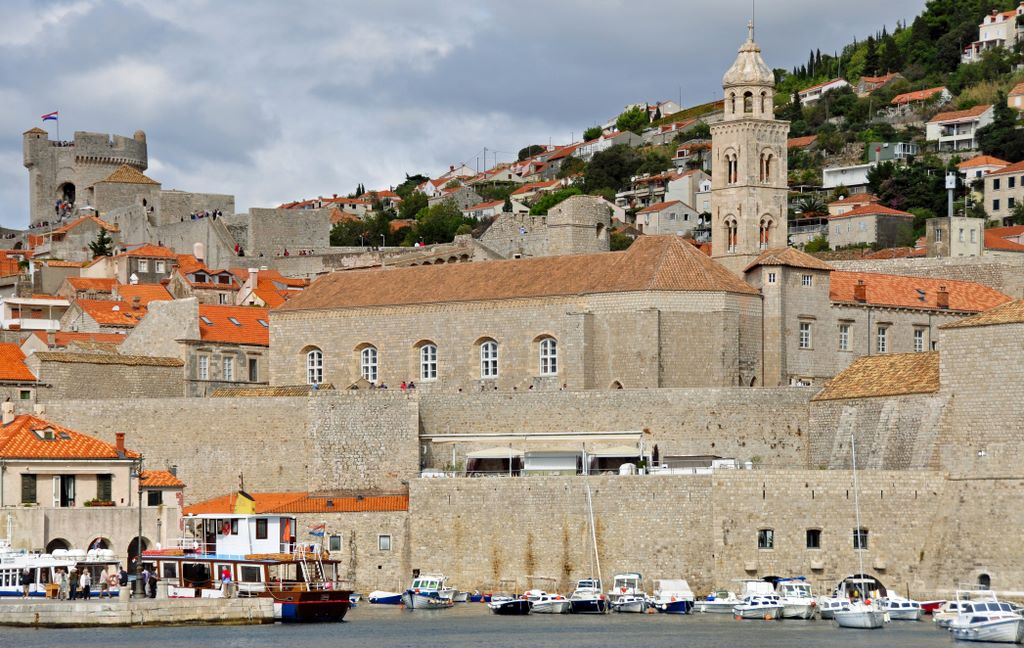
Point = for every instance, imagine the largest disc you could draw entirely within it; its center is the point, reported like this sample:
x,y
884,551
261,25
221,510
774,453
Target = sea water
x,y
471,624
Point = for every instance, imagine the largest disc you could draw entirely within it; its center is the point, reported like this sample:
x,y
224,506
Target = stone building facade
x,y
577,225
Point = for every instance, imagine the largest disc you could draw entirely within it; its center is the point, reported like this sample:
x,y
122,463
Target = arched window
x,y
548,357
314,367
732,167
764,236
368,363
428,362
732,102
730,234
489,359
984,582
764,102
748,102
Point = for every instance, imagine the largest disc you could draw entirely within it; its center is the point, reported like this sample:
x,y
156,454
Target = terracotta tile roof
x,y
657,207
485,205
261,391
111,313
888,374
108,359
12,364
19,440
273,275
286,503
73,224
906,292
125,174
401,223
982,160
92,283
897,253
874,209
855,199
565,151
1009,313
1017,90
219,327
1011,230
801,142
959,115
338,216
188,263
879,79
916,95
57,263
160,479
535,186
148,250
788,256
64,338
145,292
993,241
650,263
1016,167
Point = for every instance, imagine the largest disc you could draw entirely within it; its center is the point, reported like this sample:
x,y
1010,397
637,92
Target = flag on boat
x,y
50,116
318,530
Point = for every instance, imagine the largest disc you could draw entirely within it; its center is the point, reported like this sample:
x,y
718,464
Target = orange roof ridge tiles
x,y
664,262
145,292
64,338
982,160
873,209
105,313
72,225
126,174
150,250
960,114
1016,167
885,375
12,364
916,95
898,291
160,479
1008,313
788,257
855,199
296,502
656,207
19,439
221,328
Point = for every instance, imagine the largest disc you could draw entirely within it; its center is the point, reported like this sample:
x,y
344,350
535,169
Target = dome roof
x,y
749,68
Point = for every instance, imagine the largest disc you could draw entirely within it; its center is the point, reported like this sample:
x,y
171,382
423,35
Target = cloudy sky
x,y
272,101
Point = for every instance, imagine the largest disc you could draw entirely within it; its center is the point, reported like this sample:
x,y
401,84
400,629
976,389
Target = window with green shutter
x,y
104,488
28,489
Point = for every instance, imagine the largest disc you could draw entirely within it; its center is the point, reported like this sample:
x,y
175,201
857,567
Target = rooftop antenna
x,y
753,16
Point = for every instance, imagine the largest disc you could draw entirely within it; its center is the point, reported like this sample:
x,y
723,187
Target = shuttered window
x,y
104,488
28,489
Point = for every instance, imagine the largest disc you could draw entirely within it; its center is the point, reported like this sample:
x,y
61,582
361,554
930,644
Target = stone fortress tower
x,y
749,164
579,225
59,170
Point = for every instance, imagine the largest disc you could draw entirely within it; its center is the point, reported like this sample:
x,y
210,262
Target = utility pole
x,y
950,188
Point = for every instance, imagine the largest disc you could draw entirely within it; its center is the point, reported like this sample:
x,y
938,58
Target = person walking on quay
x,y
86,584
25,581
122,576
104,585
62,586
113,581
152,585
73,584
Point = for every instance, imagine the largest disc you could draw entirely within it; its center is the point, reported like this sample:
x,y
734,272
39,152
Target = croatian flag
x,y
50,116
318,530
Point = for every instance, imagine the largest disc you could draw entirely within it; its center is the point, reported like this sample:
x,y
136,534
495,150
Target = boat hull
x,y
515,607
908,614
930,607
320,606
715,607
765,612
1001,631
423,601
798,610
385,598
588,606
460,597
633,607
674,607
860,619
551,607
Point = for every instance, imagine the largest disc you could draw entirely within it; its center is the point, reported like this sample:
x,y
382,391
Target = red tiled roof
x,y
221,329
148,250
64,338
401,223
902,292
879,79
565,151
286,503
1016,167
534,186
788,256
657,207
1009,313
1017,90
160,479
958,115
12,364
897,253
916,95
855,199
18,440
994,241
72,225
801,142
111,313
92,283
874,209
188,263
982,160
145,292
485,205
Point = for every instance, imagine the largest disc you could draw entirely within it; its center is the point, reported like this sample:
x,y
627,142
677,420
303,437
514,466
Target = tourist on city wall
x,y
26,582
73,583
85,584
152,585
62,585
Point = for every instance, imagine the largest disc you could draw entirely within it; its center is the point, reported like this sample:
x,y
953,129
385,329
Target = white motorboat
x,y
829,605
381,597
588,598
861,615
460,597
627,584
634,603
798,601
946,613
720,602
901,609
759,606
672,596
544,603
425,593
985,618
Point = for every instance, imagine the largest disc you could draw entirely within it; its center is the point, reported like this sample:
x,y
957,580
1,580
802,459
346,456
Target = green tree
x,y
1001,138
700,130
440,222
548,201
571,166
619,241
611,168
817,244
635,119
871,57
592,133
409,185
102,245
916,185
1017,216
416,202
812,205
507,207
530,151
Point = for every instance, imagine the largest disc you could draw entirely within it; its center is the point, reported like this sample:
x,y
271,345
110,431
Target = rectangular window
x,y
938,236
814,538
249,573
160,267
143,265
28,489
883,339
384,543
771,277
974,236
261,529
335,543
806,280
170,570
995,204
844,337
254,370
961,233
860,538
1011,203
104,487
234,527
204,368
918,340
222,298
1011,182
995,184
229,369
154,498
805,335
766,539
25,394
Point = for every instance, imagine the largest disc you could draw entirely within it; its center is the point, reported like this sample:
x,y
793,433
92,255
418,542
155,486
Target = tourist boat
x,y
625,585
544,603
758,606
720,602
985,618
634,603
257,556
798,602
946,613
672,596
509,605
588,598
379,597
901,609
829,605
45,568
930,607
428,592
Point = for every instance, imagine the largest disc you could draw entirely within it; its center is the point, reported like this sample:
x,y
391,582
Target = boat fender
x,y
673,599
623,589
767,617
601,597
814,604
867,601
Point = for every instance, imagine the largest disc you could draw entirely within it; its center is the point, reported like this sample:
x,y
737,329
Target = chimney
x,y
173,470
942,297
119,443
51,339
253,280
136,302
451,167
336,195
8,410
860,291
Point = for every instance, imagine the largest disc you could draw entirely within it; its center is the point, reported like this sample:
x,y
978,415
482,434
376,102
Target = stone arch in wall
x,y
100,542
57,543
133,548
66,191
615,385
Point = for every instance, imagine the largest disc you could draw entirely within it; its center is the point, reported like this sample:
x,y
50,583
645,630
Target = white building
x,y
854,178
815,92
32,314
957,130
998,29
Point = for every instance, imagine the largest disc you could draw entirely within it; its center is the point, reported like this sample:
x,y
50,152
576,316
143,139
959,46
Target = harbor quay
x,y
47,613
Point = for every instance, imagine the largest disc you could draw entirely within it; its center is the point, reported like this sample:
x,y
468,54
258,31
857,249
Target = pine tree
x,y
871,58
102,245
507,207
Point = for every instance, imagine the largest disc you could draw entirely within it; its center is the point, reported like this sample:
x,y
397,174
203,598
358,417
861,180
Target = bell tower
x,y
749,183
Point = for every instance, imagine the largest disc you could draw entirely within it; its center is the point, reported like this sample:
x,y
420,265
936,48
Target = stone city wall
x,y
62,381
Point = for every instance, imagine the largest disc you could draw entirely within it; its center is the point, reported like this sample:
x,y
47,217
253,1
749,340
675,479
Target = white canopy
x,y
494,453
618,451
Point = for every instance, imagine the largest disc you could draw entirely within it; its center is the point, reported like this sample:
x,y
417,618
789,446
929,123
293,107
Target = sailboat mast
x,y
856,504
593,533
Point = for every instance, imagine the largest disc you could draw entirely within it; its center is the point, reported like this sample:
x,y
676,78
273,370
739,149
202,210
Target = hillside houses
x,y
957,130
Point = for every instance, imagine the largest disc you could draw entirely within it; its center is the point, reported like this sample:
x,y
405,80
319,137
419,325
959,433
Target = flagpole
x,y
58,124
